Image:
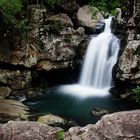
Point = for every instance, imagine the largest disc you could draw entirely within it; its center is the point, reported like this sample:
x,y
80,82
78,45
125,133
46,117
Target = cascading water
x,y
100,58
96,75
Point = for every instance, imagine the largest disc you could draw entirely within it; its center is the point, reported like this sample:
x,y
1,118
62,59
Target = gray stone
x,y
15,79
117,126
24,130
5,91
129,63
90,18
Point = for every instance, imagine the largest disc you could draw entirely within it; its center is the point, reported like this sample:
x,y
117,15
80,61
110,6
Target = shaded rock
x,y
21,130
15,79
129,63
68,6
90,18
99,112
5,91
11,109
63,19
134,20
117,126
51,119
51,39
48,65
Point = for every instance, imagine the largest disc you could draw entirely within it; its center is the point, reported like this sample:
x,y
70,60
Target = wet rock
x,y
116,126
11,109
51,119
22,130
5,91
15,79
99,112
90,18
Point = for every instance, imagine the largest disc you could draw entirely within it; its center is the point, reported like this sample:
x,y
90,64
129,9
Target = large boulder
x,y
90,18
129,63
117,126
21,130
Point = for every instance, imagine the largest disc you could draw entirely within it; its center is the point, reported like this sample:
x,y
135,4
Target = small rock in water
x,y
51,119
99,111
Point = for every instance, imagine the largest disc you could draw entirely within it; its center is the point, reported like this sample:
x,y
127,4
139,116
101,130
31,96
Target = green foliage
x,y
108,5
9,8
136,94
55,26
68,38
51,3
60,135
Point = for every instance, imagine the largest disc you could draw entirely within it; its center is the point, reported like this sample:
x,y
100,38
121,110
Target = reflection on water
x,y
78,109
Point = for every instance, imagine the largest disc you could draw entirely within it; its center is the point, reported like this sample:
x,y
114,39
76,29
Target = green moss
x,y
60,135
55,26
68,38
136,94
94,11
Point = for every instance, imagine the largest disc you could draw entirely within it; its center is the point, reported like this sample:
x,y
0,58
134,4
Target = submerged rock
x,y
99,112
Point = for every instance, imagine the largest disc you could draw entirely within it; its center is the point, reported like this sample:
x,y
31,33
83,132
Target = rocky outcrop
x,y
11,109
15,79
28,131
51,39
90,18
129,61
117,126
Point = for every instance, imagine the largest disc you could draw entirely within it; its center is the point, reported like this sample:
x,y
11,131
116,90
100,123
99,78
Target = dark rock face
x,y
15,79
52,43
129,61
51,40
117,126
27,131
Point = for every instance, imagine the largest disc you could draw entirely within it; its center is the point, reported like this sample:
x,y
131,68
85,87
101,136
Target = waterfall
x,y
100,58
96,74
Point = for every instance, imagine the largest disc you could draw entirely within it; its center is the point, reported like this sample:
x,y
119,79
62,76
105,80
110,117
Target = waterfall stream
x,y
96,75
77,101
100,58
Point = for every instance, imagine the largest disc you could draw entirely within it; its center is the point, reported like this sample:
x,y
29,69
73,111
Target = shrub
x,y
108,5
136,94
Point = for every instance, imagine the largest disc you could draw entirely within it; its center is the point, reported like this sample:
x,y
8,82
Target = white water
x,y
96,75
